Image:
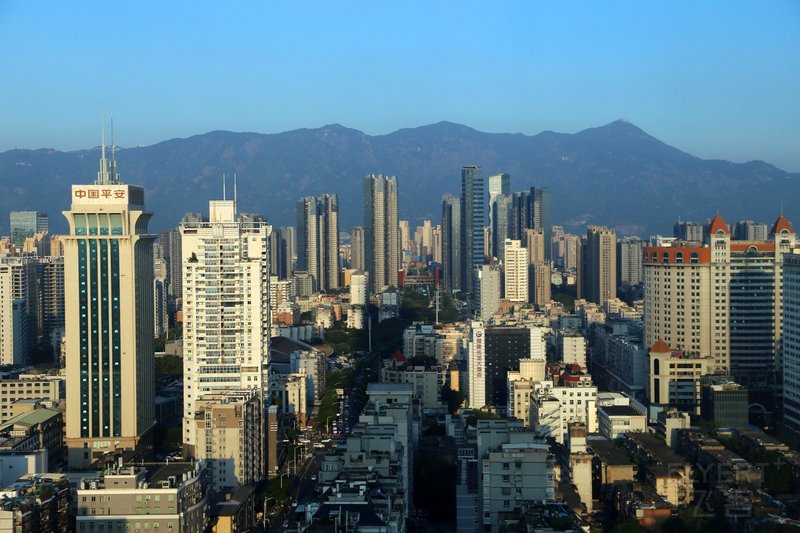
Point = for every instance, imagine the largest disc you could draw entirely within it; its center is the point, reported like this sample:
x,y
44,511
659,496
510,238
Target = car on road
x,y
314,477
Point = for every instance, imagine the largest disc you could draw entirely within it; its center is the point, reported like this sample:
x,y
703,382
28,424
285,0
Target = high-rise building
x,y
19,300
493,351
451,242
598,271
230,436
357,260
381,231
535,244
13,330
629,260
521,215
723,299
688,231
108,283
225,308
437,244
500,211
543,218
473,207
515,268
318,240
281,253
51,302
499,185
489,291
406,244
307,235
748,230
359,296
791,341
539,271
24,224
160,298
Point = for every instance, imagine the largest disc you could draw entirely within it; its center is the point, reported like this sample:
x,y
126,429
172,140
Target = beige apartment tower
x,y
108,283
598,269
515,268
381,231
225,309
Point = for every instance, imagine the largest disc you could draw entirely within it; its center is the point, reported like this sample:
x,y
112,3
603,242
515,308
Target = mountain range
x,y
615,175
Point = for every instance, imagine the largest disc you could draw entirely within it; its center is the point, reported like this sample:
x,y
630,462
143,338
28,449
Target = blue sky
x,y
719,79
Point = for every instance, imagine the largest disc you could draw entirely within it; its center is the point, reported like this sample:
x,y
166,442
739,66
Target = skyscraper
x,y
307,235
539,268
473,208
357,260
542,218
500,211
629,259
791,341
318,240
499,184
281,253
381,231
515,268
451,242
226,308
24,224
599,265
108,265
521,215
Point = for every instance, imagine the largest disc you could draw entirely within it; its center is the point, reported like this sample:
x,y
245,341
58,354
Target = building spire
x,y
107,175
223,186
234,192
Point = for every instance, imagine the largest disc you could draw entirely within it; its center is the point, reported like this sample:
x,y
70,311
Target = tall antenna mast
x,y
234,191
102,174
223,186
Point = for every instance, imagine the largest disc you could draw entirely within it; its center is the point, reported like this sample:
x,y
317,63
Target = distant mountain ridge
x,y
616,175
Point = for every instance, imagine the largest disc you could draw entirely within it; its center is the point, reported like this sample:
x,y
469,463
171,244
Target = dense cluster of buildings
x,y
610,401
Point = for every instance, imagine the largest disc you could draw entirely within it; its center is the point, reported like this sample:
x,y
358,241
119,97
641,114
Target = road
x,y
302,492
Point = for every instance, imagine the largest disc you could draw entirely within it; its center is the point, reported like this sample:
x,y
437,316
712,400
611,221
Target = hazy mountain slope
x,y
614,174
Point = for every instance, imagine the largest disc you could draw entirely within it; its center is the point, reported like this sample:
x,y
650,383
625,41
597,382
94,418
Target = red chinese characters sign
x,y
478,354
95,194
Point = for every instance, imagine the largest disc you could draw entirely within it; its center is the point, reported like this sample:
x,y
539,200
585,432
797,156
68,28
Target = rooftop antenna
x,y
102,174
223,186
114,177
234,190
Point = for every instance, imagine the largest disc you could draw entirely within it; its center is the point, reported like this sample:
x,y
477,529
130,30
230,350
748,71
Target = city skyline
x,y
714,79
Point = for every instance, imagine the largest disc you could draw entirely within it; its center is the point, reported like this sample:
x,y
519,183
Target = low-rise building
x,y
39,429
35,503
675,378
725,405
670,422
512,474
668,472
24,384
427,382
159,496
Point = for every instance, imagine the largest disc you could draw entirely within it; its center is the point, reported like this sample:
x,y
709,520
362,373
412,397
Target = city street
x,y
301,494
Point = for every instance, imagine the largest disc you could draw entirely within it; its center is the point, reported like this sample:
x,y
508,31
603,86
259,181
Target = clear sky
x,y
719,79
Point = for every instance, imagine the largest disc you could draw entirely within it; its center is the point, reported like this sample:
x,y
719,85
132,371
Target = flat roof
x,y
620,410
608,452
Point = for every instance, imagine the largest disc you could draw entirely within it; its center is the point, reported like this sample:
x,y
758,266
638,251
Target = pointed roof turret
x,y
781,224
717,224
